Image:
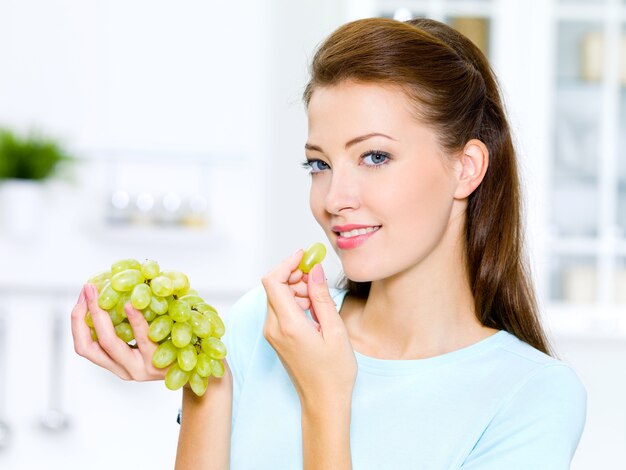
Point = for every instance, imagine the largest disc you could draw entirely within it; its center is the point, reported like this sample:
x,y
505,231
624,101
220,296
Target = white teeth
x,y
359,231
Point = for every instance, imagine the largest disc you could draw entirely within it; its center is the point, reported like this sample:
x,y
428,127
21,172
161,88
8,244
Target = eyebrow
x,y
351,142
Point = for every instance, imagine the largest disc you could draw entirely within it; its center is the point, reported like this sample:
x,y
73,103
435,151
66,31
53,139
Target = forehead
x,y
350,107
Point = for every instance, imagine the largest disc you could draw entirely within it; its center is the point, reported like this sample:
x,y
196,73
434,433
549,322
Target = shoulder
x,y
542,370
538,423
541,381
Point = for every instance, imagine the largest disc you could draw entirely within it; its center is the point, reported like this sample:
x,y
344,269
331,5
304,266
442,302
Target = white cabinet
x,y
562,68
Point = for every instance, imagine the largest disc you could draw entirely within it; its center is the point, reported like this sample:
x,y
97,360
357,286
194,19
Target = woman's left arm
x,y
318,357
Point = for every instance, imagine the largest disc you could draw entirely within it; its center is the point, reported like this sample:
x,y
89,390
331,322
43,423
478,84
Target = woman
x,y
430,354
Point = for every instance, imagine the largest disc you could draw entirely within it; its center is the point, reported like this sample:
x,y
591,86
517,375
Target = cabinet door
x,y
587,197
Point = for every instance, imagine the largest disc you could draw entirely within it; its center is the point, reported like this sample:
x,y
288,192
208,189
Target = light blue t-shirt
x,y
498,404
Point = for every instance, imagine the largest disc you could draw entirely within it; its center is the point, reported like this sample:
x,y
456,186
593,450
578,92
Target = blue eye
x,y
313,165
377,157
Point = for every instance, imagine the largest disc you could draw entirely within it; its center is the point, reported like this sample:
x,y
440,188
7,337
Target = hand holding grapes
x,y
109,351
176,333
318,357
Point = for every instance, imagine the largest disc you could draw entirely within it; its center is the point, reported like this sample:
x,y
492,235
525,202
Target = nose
x,y
343,192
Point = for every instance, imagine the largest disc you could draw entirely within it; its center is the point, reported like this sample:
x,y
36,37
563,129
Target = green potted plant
x,y
26,162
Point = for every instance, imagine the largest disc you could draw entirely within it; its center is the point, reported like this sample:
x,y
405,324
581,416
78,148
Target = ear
x,y
471,168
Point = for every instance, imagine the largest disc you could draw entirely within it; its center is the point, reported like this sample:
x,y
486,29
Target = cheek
x,y
316,201
427,202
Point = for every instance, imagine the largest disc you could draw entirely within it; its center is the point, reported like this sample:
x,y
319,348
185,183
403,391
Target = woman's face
x,y
376,167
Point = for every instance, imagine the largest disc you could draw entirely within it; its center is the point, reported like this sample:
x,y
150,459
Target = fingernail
x,y
81,297
317,274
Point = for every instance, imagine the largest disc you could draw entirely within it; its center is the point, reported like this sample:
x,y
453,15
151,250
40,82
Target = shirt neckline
x,y
407,366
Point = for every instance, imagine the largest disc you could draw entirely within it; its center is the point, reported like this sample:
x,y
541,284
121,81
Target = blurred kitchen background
x,y
186,126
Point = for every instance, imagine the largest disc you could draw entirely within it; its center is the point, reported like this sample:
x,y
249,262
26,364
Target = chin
x,y
357,275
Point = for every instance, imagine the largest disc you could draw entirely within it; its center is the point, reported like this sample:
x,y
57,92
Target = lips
x,y
351,236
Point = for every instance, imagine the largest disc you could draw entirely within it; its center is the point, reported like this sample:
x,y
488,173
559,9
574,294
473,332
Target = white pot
x,y
21,208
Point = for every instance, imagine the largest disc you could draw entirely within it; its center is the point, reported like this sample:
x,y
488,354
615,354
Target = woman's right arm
x,y
204,439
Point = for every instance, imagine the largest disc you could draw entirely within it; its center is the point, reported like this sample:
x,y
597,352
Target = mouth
x,y
357,232
351,236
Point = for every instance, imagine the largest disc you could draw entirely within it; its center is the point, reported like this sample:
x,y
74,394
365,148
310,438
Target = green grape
x,y
117,314
141,296
176,377
150,269
203,364
180,311
162,286
108,297
124,332
312,256
187,357
149,315
191,299
160,328
187,328
124,264
217,324
217,368
181,334
204,308
164,354
214,348
124,281
180,282
100,279
159,305
200,325
198,383
182,292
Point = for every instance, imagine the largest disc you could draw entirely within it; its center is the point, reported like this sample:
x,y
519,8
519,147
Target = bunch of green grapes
x,y
186,328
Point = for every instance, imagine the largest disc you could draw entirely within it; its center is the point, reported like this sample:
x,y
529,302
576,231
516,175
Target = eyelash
x,y
308,164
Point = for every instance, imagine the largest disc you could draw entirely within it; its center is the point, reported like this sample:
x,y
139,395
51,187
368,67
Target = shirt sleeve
x,y
538,426
243,330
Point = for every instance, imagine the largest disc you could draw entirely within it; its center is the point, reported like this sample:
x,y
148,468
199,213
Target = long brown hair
x,y
455,91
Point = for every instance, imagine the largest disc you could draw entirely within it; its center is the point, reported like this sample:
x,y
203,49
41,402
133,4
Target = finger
x,y
322,304
301,289
279,294
304,303
85,346
295,276
80,329
115,348
94,353
286,269
78,317
140,330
